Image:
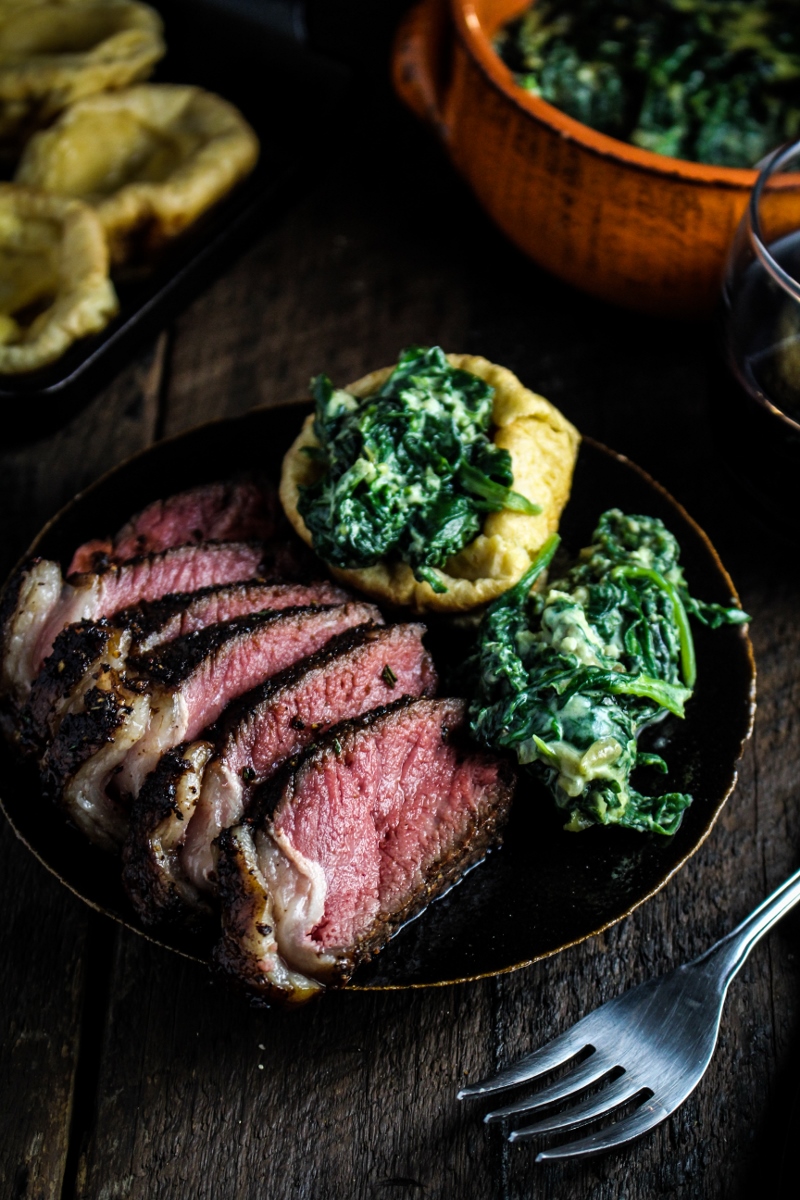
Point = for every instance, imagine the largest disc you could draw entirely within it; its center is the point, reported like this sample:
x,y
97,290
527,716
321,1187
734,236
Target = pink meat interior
x,y
381,814
186,569
225,603
214,512
245,661
349,685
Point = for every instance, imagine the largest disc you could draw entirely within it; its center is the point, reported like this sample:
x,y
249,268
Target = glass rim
x,y
777,159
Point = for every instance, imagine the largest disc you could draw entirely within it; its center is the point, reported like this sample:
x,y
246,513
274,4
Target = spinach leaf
x,y
409,471
567,679
714,81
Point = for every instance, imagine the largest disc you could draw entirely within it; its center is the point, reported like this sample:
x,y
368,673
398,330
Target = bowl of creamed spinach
x,y
710,81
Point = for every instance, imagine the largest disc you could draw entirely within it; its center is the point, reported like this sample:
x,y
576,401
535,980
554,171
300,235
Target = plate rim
x,y
299,405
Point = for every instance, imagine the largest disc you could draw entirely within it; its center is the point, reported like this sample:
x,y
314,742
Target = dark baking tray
x,y
291,97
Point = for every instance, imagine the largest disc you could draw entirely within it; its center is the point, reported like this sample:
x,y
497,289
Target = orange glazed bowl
x,y
630,226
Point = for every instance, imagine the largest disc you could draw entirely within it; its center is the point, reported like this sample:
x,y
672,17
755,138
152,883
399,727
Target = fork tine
x,y
586,1073
650,1114
551,1055
601,1105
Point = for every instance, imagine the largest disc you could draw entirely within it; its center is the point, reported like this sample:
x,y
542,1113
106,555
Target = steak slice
x,y
168,856
86,647
219,512
38,604
169,696
365,829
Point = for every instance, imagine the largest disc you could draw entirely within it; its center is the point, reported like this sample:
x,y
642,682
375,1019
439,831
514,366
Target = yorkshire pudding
x,y
54,285
53,53
150,159
543,446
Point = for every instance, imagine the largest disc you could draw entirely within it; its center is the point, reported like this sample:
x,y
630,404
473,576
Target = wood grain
x,y
48,945
184,1091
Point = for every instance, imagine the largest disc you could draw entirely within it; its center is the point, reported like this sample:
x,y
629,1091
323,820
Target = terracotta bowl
x,y
633,227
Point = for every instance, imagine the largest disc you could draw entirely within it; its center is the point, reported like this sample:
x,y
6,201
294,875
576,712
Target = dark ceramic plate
x,y
545,889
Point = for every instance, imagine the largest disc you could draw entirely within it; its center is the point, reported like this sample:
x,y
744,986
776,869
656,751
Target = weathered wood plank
x,y
356,1094
352,1097
46,933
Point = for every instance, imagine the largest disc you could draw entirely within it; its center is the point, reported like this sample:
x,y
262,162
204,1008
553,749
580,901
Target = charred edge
x,y
83,578
171,664
150,616
148,873
75,650
80,736
241,893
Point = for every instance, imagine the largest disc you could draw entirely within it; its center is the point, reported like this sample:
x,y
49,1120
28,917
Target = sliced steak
x,y
38,605
218,512
82,649
357,671
168,697
161,812
356,837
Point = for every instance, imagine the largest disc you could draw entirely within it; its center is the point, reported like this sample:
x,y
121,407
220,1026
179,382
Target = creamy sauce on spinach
x,y
409,472
713,81
568,678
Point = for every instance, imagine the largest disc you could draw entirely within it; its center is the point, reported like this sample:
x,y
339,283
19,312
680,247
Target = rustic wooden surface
x,y
124,1072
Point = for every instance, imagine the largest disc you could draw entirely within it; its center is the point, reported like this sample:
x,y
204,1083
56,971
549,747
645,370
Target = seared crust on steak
x,y
44,604
247,952
253,737
152,872
103,751
82,649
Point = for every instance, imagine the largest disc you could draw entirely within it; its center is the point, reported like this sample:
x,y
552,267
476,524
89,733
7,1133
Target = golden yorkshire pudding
x,y
150,159
543,446
54,285
55,52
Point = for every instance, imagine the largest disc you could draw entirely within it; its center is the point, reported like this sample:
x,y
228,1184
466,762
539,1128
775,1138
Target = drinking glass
x,y
756,400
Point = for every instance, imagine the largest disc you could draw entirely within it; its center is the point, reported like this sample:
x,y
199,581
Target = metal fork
x,y
649,1047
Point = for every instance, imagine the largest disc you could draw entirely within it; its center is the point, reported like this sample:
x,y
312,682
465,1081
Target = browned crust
x,y
76,649
246,927
151,872
82,734
242,901
170,665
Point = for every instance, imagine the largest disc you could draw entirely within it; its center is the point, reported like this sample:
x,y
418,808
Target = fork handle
x,y
730,951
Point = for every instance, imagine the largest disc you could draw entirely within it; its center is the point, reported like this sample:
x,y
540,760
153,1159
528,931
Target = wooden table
x,y
124,1071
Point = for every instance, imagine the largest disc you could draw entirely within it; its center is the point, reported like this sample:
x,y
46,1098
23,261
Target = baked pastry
x,y
54,284
150,159
54,53
543,446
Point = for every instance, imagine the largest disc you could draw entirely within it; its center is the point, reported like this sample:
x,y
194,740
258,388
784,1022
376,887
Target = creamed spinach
x,y
409,471
713,81
569,677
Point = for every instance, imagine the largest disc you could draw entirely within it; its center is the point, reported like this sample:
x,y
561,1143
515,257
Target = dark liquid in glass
x,y
755,390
